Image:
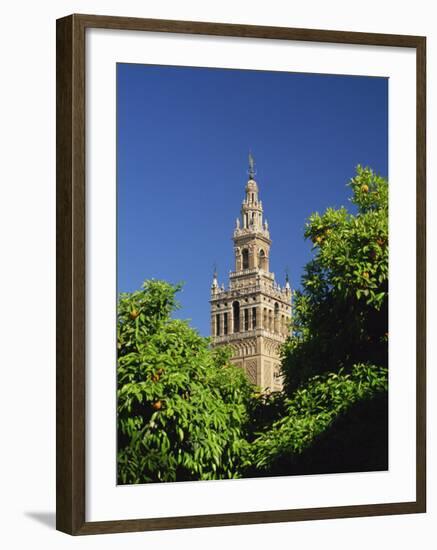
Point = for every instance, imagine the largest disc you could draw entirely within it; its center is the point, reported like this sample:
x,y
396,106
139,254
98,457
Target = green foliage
x,y
341,313
263,410
310,412
182,408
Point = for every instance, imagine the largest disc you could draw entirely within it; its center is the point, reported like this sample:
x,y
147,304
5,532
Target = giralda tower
x,y
252,315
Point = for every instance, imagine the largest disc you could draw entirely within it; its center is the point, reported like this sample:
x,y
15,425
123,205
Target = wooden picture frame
x,y
71,284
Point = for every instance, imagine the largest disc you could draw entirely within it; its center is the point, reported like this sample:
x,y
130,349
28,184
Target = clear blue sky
x,y
183,136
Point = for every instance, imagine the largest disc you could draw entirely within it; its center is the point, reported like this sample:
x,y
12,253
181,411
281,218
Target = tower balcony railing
x,y
252,271
253,333
245,272
250,230
278,293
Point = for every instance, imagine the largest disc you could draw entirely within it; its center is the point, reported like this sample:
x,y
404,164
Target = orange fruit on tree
x,y
134,313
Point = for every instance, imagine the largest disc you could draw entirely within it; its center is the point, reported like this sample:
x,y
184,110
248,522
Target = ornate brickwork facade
x,y
253,314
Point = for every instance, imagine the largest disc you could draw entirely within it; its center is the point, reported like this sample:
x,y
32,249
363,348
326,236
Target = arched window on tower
x,y
262,260
236,315
245,258
246,319
276,320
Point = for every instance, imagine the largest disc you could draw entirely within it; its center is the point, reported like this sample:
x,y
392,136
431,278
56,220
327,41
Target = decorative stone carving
x,y
250,367
267,375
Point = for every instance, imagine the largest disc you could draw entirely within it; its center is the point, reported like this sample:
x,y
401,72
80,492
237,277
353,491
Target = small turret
x,y
214,284
287,282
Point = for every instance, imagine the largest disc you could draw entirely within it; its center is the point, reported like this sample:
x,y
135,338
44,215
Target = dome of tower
x,y
251,185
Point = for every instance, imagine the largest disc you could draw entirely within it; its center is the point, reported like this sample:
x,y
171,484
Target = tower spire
x,y
287,279
252,170
214,284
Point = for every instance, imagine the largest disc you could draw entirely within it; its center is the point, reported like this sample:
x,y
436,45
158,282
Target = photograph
x,y
252,273
215,275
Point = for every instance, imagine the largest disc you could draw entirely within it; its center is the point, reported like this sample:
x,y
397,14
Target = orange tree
x,y
341,313
182,408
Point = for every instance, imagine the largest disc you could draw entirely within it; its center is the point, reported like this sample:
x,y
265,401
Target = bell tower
x,y
252,315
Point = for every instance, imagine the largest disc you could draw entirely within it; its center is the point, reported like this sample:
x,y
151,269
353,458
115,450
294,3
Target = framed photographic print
x,y
240,274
